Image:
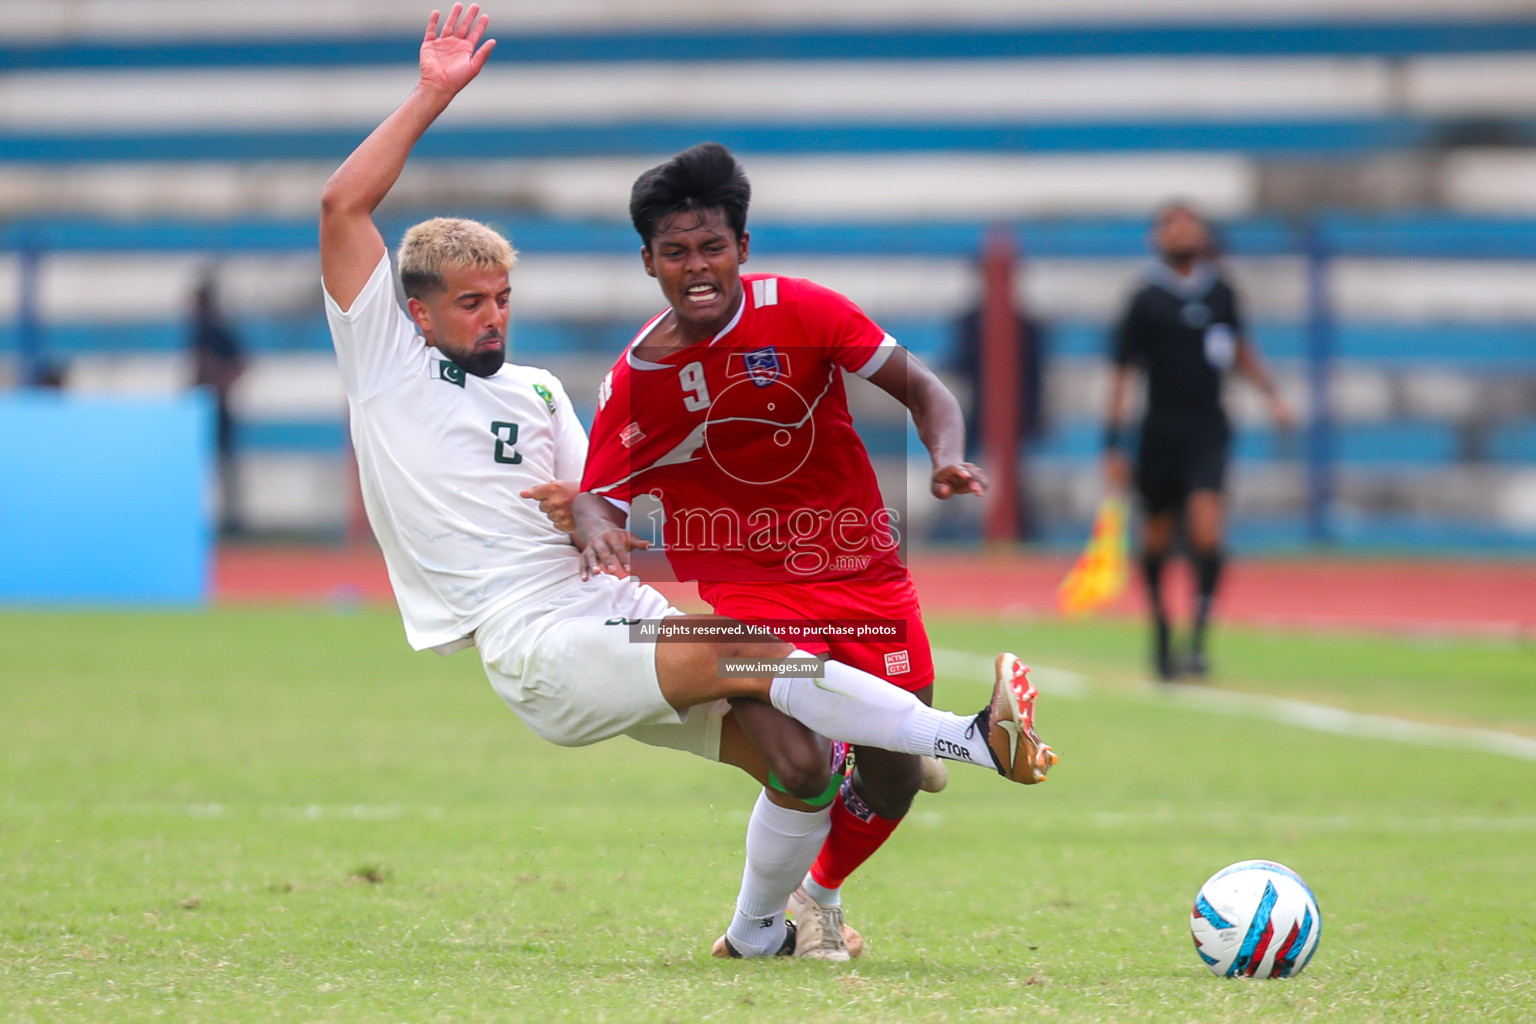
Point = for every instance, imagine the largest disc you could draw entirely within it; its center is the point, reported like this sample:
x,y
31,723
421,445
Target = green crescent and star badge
x,y
453,373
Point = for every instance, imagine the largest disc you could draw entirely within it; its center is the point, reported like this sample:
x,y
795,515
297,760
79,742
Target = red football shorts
x,y
907,663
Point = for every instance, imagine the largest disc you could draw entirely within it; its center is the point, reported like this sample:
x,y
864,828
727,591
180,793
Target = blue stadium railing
x,y
1484,347
1303,136
1409,235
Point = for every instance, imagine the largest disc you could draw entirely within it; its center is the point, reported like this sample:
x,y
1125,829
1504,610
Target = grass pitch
x,y
286,815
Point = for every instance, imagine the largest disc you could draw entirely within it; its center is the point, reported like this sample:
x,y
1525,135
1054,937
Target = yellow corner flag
x,y
1099,575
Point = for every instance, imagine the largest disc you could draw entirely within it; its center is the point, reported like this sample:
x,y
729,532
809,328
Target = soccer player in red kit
x,y
729,409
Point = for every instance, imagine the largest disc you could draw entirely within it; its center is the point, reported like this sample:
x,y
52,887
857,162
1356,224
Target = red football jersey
x,y
747,442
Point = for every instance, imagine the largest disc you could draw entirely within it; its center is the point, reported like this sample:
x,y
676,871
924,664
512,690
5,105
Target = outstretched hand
x,y
453,55
958,478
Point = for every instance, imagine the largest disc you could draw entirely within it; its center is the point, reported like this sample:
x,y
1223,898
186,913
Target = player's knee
x,y
891,792
891,805
804,775
1204,534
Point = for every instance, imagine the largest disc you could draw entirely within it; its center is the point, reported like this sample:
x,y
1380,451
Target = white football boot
x,y
820,933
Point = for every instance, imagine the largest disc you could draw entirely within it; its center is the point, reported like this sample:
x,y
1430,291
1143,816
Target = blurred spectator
x,y
217,364
48,374
967,363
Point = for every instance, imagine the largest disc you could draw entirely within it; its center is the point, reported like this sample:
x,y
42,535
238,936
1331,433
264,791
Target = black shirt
x,y
1183,332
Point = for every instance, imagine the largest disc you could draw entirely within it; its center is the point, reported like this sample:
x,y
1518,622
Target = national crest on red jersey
x,y
762,366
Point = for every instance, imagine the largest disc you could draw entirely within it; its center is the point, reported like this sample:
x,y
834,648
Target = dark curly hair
x,y
706,177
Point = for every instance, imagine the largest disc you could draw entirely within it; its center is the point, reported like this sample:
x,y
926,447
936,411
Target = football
x,y
1255,919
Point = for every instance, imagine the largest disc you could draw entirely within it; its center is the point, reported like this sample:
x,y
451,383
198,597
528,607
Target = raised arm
x,y
350,244
939,421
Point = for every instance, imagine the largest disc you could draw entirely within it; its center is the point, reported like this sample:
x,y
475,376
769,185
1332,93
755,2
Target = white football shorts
x,y
566,665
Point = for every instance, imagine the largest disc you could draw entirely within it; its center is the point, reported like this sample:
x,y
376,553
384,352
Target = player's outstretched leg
x,y
853,705
1016,749
856,707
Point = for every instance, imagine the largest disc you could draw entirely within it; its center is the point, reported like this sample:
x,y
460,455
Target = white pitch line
x,y
1305,715
1322,718
1058,682
1415,824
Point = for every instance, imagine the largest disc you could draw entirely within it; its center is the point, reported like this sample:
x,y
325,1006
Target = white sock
x,y
851,705
821,894
781,844
960,739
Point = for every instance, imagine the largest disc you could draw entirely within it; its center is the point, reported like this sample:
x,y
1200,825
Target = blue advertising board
x,y
104,500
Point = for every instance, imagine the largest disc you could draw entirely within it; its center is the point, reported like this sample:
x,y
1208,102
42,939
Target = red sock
x,y
857,832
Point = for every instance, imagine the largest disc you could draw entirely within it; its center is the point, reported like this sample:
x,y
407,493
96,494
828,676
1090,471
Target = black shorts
x,y
1180,456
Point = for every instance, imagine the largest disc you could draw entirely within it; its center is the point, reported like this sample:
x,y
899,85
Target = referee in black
x,y
1183,330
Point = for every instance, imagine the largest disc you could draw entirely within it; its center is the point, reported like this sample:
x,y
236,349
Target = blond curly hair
x,y
449,243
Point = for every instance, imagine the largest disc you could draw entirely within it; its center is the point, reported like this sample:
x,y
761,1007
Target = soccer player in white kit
x,y
468,463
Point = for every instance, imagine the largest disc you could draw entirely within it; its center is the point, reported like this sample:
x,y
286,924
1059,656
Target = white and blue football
x,y
1256,919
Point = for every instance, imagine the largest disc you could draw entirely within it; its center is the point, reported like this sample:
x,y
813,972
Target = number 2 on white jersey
x,y
692,379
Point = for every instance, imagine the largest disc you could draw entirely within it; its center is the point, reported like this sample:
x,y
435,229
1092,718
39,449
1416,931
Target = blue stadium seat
x,y
308,436
1401,441
1514,443
1491,346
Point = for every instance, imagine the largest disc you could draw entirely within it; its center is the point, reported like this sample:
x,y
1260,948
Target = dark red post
x,y
1001,401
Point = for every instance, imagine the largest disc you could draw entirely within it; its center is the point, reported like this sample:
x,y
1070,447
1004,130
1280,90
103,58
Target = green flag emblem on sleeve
x,y
544,393
451,372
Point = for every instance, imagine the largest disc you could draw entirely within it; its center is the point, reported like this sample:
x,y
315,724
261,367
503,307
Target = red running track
x,y
1473,597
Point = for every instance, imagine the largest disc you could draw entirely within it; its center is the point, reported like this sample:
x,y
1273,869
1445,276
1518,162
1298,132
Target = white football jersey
x,y
442,455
